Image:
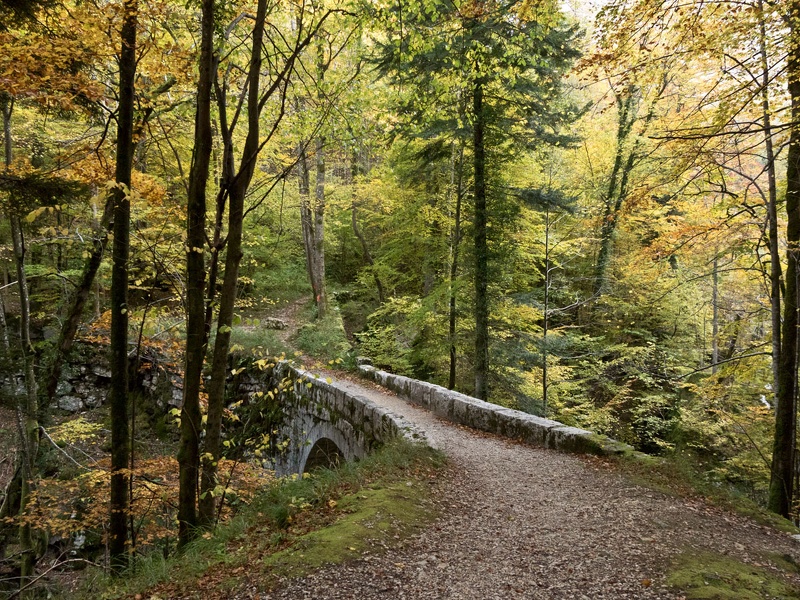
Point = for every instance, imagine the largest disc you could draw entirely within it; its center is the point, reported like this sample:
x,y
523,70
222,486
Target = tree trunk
x,y
27,407
545,314
237,189
307,219
119,505
481,248
457,175
626,109
196,330
715,316
772,206
781,481
321,297
70,327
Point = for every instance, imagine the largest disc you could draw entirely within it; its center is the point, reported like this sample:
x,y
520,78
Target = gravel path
x,y
523,522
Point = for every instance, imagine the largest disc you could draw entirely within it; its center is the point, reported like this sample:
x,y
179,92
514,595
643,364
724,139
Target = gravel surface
x,y
523,522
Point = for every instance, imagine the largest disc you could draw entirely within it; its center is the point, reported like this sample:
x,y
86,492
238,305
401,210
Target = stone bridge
x,y
323,423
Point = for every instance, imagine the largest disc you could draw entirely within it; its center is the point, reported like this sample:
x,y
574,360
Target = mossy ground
x,y
365,517
709,576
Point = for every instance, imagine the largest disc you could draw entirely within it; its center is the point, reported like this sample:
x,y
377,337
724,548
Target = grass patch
x,y
256,340
709,576
293,527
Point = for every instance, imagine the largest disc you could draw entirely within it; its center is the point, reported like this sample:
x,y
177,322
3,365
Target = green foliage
x,y
324,338
255,340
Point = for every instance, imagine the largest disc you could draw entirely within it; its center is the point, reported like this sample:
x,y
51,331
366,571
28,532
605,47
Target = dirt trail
x,y
523,522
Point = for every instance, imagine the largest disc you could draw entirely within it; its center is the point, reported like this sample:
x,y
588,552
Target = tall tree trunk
x,y
456,182
120,443
196,335
321,297
772,205
781,481
545,315
481,247
715,315
27,408
625,159
237,191
626,111
307,219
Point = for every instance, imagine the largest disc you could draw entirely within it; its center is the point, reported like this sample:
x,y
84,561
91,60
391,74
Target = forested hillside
x,y
586,213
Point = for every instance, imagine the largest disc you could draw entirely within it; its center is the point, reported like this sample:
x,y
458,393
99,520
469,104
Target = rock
x,y
273,323
93,400
70,403
101,371
64,388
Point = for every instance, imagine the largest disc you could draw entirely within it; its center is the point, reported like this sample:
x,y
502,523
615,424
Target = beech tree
x,y
120,440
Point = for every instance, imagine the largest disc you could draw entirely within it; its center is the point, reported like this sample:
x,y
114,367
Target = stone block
x,y
442,402
70,403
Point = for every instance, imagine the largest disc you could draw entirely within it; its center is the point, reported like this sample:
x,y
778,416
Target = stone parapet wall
x,y
515,424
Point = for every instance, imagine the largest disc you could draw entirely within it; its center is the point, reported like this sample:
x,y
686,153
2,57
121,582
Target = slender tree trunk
x,y
772,206
196,331
27,409
73,319
237,191
321,297
481,248
456,181
617,193
307,219
546,315
781,482
715,316
7,106
626,109
120,443
28,406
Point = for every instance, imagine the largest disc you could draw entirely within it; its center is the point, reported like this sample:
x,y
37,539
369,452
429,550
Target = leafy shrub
x,y
324,338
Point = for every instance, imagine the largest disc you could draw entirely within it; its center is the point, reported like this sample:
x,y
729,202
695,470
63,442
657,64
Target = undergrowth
x,y
324,338
283,530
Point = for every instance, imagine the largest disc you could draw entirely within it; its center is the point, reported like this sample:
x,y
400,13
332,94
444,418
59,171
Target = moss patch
x,y
366,517
709,576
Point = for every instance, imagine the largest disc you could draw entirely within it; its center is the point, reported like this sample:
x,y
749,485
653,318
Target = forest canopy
x,y
593,218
